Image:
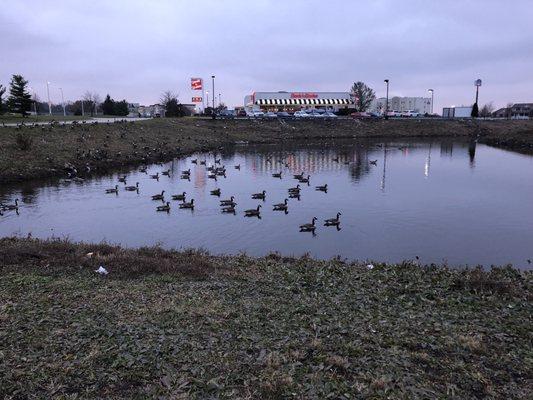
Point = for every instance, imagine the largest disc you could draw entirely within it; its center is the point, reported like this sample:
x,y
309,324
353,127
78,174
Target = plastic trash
x,y
370,266
101,271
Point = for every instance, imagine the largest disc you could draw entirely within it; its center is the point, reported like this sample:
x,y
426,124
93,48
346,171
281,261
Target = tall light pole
x,y
213,83
207,98
48,93
431,91
63,102
387,100
477,83
219,100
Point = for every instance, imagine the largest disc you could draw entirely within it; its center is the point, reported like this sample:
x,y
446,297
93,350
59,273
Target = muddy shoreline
x,y
82,150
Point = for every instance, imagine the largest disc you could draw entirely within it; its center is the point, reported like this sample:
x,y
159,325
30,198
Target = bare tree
x,y
168,96
363,96
486,110
91,102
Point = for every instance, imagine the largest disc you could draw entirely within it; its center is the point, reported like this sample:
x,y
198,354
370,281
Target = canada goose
x,y
294,195
227,202
276,175
260,196
156,176
254,212
190,204
115,190
202,162
373,162
295,189
323,188
238,166
212,176
299,176
132,188
186,172
304,180
215,192
281,206
333,221
217,161
220,172
308,227
7,207
165,207
229,209
159,196
166,173
179,196
194,161
122,179
336,159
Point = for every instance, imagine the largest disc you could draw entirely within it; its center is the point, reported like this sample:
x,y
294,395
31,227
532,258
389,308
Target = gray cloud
x,y
137,49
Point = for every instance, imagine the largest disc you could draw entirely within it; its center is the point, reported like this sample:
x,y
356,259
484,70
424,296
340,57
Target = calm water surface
x,y
443,201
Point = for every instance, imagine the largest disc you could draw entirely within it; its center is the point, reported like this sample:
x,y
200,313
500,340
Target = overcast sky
x,y
138,49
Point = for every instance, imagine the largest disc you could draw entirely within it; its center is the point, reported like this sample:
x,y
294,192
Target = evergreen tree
x,y
172,108
121,108
108,106
363,96
475,111
19,101
2,91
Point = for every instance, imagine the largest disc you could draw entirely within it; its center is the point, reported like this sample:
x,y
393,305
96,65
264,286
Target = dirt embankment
x,y
165,324
39,152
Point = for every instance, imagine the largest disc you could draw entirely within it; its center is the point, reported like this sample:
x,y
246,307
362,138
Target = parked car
x,y
330,114
270,114
255,114
226,114
375,115
360,115
301,114
284,114
241,113
393,113
409,114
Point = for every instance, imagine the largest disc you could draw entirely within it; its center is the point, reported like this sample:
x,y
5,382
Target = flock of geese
x,y
228,206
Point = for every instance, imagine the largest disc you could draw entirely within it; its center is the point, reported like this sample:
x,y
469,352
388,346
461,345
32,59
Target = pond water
x,y
443,201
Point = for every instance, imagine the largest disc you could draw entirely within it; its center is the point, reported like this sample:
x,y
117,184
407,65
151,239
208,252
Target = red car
x,y
360,115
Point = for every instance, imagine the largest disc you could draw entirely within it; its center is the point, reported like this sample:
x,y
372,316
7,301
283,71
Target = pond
x,y
443,201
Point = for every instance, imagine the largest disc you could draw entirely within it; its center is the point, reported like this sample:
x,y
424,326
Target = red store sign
x,y
304,95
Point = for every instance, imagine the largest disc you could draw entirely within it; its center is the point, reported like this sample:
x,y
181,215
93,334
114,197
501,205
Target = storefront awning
x,y
301,102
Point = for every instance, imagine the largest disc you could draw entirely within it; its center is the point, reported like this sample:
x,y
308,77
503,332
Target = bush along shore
x,y
169,325
32,152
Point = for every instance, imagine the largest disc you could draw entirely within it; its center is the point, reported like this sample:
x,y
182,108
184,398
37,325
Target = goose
x,y
294,195
304,180
115,190
227,202
186,172
212,176
281,206
190,204
217,161
333,221
179,196
202,162
254,212
238,166
295,189
194,161
187,177
122,179
215,192
159,196
276,175
156,176
165,207
323,188
132,188
260,196
336,159
166,173
308,227
6,207
229,209
373,162
298,176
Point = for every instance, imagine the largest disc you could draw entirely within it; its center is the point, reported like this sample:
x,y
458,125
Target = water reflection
x,y
390,211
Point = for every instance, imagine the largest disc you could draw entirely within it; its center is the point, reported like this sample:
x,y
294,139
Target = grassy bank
x,y
40,152
182,325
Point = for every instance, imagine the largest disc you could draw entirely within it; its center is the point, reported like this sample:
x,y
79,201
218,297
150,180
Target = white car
x,y
258,114
301,114
330,114
270,114
410,113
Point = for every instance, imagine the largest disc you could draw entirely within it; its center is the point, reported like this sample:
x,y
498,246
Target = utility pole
x,y
63,102
82,112
213,83
431,91
48,93
387,100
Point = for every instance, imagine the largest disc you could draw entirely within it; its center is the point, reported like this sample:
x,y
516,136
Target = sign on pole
x,y
196,84
477,82
196,100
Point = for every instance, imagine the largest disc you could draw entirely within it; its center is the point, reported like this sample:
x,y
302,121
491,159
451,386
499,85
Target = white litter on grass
x,y
370,266
89,255
101,271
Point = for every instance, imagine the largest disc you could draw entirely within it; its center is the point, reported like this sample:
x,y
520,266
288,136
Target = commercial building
x,y
152,111
294,101
457,112
522,111
420,105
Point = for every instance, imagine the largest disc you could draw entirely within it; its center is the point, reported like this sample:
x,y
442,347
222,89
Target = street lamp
x,y
207,98
63,102
219,102
477,83
431,91
387,100
48,93
213,82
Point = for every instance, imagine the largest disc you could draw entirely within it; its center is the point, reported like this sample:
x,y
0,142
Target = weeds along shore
x,y
49,151
173,324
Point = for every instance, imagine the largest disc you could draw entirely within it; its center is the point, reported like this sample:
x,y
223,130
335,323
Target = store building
x,y
421,105
294,101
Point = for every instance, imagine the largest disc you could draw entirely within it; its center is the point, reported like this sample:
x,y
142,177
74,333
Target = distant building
x,y
421,105
522,111
153,111
504,112
294,101
133,109
457,112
